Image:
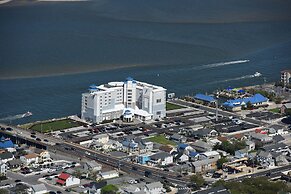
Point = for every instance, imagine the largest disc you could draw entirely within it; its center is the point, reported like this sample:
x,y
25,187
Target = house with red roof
x,y
67,180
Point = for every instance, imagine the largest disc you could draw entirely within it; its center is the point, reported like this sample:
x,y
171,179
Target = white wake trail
x,y
223,64
14,117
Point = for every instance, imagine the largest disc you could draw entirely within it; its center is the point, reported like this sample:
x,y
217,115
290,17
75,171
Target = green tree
x,y
220,162
198,180
259,185
249,105
109,189
4,191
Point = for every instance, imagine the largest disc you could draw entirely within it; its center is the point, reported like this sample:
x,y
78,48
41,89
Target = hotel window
x,y
159,100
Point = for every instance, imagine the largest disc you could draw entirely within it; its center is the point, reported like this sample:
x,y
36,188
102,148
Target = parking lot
x,y
266,116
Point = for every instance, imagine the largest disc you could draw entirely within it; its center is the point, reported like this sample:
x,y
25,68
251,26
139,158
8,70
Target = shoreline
x,y
4,1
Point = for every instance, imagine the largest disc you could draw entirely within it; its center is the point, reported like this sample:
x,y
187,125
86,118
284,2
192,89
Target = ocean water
x,y
185,46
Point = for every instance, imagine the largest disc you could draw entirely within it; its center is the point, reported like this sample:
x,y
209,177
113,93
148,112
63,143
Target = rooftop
x,y
257,98
204,97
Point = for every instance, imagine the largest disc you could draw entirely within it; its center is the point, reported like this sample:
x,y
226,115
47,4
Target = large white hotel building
x,y
130,98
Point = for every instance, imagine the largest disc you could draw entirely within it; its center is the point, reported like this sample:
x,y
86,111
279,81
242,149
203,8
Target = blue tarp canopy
x,y
204,97
257,98
182,146
6,143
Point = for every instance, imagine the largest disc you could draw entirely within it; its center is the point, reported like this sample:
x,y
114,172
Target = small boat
x,y
27,114
257,74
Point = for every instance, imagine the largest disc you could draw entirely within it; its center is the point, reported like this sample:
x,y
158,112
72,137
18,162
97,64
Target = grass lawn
x,y
171,106
162,140
275,110
55,125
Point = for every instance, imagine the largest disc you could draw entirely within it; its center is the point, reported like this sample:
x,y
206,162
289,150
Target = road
x,y
271,173
125,166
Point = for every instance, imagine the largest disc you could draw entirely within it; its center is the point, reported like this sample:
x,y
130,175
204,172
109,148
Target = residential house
x,y
43,155
94,187
193,155
280,160
3,169
154,188
67,180
143,158
204,133
6,156
178,138
262,139
185,167
277,130
265,159
204,165
184,148
168,149
201,146
286,108
250,145
161,158
14,164
241,153
112,145
29,158
131,189
101,138
180,158
92,166
38,189
132,144
6,143
239,137
109,174
278,148
210,155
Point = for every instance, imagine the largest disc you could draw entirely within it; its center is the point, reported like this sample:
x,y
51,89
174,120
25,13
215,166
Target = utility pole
x,y
216,106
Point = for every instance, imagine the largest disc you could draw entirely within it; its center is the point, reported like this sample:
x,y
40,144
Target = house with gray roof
x,y
201,146
285,108
259,138
14,164
38,189
6,156
133,144
277,130
204,165
280,160
204,133
161,158
265,158
278,147
178,138
92,166
154,188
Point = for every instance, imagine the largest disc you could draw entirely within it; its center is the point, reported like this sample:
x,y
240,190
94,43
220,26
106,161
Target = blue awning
x,y
204,98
